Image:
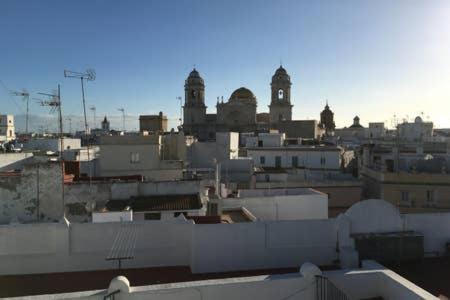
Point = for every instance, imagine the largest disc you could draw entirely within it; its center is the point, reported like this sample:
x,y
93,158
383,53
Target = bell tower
x,y
194,109
280,105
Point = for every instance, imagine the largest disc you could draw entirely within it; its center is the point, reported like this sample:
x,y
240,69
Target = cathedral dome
x,y
243,95
281,74
194,77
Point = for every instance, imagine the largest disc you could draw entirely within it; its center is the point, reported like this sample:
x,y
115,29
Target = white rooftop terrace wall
x,y
309,204
12,161
374,280
68,247
262,245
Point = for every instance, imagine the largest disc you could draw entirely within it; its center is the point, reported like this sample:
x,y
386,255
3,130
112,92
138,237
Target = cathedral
x,y
239,113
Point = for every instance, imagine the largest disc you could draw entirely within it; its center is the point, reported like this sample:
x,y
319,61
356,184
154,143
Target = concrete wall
x,y
262,245
14,161
311,205
36,194
375,281
61,247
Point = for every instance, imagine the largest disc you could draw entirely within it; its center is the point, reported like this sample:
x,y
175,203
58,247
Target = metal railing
x,y
111,296
326,290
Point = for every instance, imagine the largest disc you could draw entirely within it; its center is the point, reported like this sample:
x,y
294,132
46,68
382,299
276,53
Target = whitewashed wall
x,y
262,245
310,205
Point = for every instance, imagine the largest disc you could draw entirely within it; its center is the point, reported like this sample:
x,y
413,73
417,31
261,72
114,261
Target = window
x,y
430,197
280,117
260,143
262,160
134,157
323,161
405,201
294,161
280,94
152,216
10,133
277,161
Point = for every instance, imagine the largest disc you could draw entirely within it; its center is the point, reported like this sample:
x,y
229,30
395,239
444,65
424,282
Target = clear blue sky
x,y
368,58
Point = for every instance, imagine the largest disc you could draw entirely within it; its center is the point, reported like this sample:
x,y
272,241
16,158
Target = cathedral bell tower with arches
x,y
280,105
194,109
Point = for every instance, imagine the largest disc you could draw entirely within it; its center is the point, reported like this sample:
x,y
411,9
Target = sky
x,y
374,59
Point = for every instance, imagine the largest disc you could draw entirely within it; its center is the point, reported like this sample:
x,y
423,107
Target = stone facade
x,y
153,123
280,105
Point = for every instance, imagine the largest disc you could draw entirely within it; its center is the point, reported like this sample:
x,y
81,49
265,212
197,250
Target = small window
x,y
430,196
152,216
262,160
260,143
294,161
323,161
277,161
10,133
134,157
405,201
280,117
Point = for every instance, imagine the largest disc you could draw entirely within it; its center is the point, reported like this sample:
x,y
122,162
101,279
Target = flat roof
x,y
56,283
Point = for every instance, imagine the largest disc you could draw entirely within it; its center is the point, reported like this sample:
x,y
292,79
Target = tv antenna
x,y
26,97
123,117
89,75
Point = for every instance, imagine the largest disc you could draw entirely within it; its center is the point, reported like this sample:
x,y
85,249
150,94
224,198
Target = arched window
x,y
280,94
194,94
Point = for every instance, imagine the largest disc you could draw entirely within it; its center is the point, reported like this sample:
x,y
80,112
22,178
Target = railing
x,y
326,290
111,296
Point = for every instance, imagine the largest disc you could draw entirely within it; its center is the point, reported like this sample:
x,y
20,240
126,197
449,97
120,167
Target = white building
x,y
376,130
309,157
207,154
7,129
417,131
137,155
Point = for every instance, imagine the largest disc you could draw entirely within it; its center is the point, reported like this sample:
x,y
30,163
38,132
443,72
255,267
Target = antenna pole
x,y
90,76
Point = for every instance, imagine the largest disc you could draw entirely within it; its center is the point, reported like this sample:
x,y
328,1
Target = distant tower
x,y
194,103
280,105
327,120
105,125
356,123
